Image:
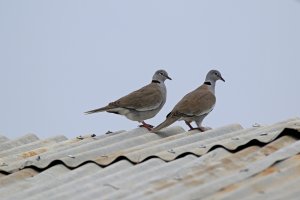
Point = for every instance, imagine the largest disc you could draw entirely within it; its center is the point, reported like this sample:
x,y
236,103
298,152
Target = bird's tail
x,y
167,122
97,110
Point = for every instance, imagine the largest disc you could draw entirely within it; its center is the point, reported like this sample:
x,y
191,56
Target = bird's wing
x,y
196,103
148,97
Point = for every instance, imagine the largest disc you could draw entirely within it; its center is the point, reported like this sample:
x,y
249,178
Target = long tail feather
x,y
97,110
167,122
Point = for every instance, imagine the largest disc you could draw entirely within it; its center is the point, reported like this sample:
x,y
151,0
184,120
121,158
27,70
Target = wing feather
x,y
195,103
148,97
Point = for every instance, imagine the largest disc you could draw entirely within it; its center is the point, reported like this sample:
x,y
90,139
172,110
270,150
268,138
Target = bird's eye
x,y
161,73
216,73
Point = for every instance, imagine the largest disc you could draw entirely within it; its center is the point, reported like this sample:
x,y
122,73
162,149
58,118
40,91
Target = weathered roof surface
x,y
229,162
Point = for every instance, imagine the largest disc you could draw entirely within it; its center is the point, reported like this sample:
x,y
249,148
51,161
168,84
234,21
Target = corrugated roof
x,y
229,162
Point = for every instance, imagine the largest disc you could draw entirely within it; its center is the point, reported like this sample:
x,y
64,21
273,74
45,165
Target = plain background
x,y
60,58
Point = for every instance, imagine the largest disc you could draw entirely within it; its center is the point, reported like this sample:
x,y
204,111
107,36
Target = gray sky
x,y
60,58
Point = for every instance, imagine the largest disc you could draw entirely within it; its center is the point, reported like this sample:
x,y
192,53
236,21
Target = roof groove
x,y
228,163
224,163
258,184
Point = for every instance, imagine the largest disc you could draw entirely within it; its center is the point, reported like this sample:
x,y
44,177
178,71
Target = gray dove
x,y
196,105
141,104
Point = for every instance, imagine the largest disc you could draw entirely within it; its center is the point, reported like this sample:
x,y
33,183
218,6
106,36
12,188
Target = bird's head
x,y
161,75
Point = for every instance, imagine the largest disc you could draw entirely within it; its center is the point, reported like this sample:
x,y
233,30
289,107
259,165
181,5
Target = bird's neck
x,y
155,81
211,85
162,87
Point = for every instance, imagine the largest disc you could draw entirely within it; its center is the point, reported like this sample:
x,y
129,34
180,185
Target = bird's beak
x,y
168,77
221,78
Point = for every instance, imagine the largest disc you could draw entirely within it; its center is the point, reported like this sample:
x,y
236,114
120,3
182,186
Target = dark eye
x,y
216,73
161,73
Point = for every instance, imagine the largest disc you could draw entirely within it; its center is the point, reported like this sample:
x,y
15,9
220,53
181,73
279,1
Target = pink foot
x,y
147,126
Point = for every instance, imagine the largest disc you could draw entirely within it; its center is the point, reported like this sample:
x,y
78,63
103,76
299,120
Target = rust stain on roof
x,y
229,188
268,171
32,153
217,166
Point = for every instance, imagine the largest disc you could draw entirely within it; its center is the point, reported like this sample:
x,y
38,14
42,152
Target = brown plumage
x,y
196,105
141,104
147,98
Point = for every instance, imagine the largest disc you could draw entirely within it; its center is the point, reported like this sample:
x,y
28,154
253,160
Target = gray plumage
x,y
141,104
196,105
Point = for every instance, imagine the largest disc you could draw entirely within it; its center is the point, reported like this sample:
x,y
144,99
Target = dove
x,y
141,104
196,105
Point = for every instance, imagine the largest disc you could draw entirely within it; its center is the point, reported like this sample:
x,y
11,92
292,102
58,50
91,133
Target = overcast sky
x,y
60,58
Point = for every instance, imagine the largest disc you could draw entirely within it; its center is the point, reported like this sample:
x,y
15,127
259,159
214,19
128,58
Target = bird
x,y
141,104
196,105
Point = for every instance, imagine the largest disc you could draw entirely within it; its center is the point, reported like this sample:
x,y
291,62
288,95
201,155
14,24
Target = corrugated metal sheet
x,y
18,142
224,163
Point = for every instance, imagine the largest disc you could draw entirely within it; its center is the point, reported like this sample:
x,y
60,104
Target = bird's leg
x,y
199,124
188,123
200,128
203,129
147,126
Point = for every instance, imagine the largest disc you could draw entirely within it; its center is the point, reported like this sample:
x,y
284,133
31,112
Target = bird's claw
x,y
202,129
147,126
